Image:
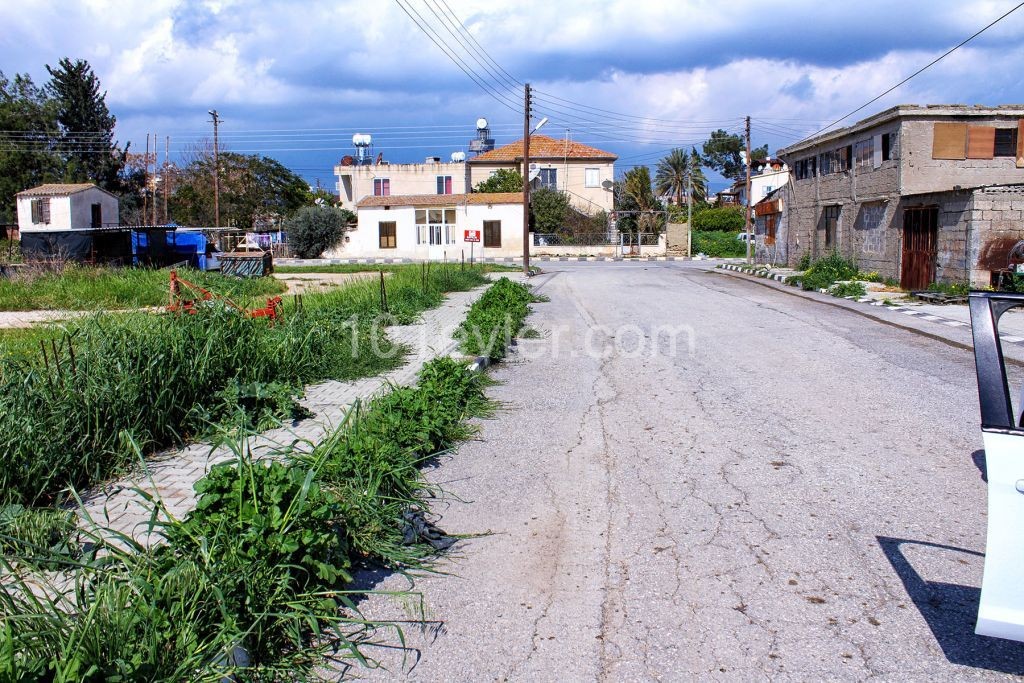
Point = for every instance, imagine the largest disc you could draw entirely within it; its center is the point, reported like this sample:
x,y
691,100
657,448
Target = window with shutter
x,y
1005,144
981,142
492,234
949,141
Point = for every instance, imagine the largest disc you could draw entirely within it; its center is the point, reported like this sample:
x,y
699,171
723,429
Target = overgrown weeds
x,y
494,319
253,582
78,288
70,413
826,271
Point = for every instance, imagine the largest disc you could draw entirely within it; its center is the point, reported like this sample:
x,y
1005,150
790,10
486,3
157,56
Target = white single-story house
x,y
434,227
76,221
57,206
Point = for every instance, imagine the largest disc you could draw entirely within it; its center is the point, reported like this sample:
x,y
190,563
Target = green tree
x,y
721,218
676,171
315,229
548,210
28,157
86,125
255,191
722,153
503,180
637,207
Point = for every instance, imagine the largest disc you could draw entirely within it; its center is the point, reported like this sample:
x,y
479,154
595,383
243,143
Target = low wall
x,y
597,250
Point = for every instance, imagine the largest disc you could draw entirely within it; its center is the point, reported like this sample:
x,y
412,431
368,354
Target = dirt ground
x,y
304,283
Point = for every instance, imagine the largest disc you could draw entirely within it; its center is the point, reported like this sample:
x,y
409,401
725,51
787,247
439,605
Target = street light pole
x,y
526,181
749,226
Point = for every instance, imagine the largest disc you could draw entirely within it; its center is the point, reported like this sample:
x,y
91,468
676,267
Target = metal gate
x,y
920,247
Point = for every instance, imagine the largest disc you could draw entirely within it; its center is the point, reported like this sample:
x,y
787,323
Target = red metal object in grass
x,y
179,303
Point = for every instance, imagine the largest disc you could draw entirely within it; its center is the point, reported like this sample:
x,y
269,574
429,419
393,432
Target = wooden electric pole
x,y
167,166
749,226
145,193
526,181
216,170
156,171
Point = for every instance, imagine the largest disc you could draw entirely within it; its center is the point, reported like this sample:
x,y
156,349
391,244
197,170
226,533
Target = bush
x,y
951,288
720,219
845,289
824,272
548,210
805,262
718,244
315,229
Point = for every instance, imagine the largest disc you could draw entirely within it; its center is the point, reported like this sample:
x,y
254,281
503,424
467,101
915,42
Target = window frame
x,y
490,230
436,227
382,187
548,178
384,237
444,184
586,177
40,211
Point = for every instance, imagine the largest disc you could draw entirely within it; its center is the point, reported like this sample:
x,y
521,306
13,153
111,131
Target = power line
x,y
466,69
921,70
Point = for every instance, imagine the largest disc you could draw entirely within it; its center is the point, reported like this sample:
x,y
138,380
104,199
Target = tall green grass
x,y
86,288
70,413
254,582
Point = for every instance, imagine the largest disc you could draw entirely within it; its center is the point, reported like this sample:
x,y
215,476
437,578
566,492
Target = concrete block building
x,y
77,221
917,193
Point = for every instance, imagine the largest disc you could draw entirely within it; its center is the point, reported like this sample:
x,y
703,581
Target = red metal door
x,y
920,247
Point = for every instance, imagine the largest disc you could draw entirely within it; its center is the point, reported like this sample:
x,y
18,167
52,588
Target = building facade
x,y
74,221
434,227
584,173
917,193
384,179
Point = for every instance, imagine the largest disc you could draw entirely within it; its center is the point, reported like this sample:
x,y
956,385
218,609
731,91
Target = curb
x,y
489,259
907,310
479,364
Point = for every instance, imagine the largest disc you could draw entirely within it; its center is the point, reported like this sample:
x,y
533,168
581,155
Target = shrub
x,y
315,229
721,219
824,272
805,262
548,210
718,244
961,288
845,289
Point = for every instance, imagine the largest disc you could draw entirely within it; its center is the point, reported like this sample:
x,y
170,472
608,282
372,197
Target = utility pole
x,y
167,156
748,224
156,170
216,169
689,209
526,181
145,192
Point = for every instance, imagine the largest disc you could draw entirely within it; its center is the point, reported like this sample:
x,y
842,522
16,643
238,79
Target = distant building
x,y
74,221
433,227
917,193
584,173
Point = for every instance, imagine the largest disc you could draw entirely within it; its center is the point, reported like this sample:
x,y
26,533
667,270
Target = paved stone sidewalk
x,y
171,475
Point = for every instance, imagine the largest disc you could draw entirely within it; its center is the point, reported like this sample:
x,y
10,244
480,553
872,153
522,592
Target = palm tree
x,y
676,170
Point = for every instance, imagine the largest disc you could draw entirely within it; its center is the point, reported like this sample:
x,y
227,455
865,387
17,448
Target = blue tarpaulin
x,y
183,245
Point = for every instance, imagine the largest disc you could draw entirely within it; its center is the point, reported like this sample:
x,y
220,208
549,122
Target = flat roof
x,y
915,111
430,200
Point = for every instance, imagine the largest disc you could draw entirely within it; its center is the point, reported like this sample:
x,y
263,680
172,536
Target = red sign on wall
x,y
472,236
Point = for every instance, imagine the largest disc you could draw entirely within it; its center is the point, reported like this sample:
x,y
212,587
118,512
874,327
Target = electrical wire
x,y
920,71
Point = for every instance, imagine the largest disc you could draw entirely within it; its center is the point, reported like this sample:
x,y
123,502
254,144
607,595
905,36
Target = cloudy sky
x,y
295,80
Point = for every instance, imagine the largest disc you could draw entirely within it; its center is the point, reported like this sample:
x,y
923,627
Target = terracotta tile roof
x,y
542,147
441,199
56,189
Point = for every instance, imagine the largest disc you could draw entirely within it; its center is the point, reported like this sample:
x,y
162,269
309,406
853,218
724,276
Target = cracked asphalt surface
x,y
798,498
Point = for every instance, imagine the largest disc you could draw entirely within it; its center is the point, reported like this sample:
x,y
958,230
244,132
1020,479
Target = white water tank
x,y
458,157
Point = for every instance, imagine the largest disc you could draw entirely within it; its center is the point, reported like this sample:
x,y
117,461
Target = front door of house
x,y
920,247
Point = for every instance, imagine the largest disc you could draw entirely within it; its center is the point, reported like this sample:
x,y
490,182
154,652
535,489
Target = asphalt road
x,y
695,476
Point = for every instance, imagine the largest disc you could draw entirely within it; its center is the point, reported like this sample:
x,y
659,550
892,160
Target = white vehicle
x,y
745,236
1001,611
